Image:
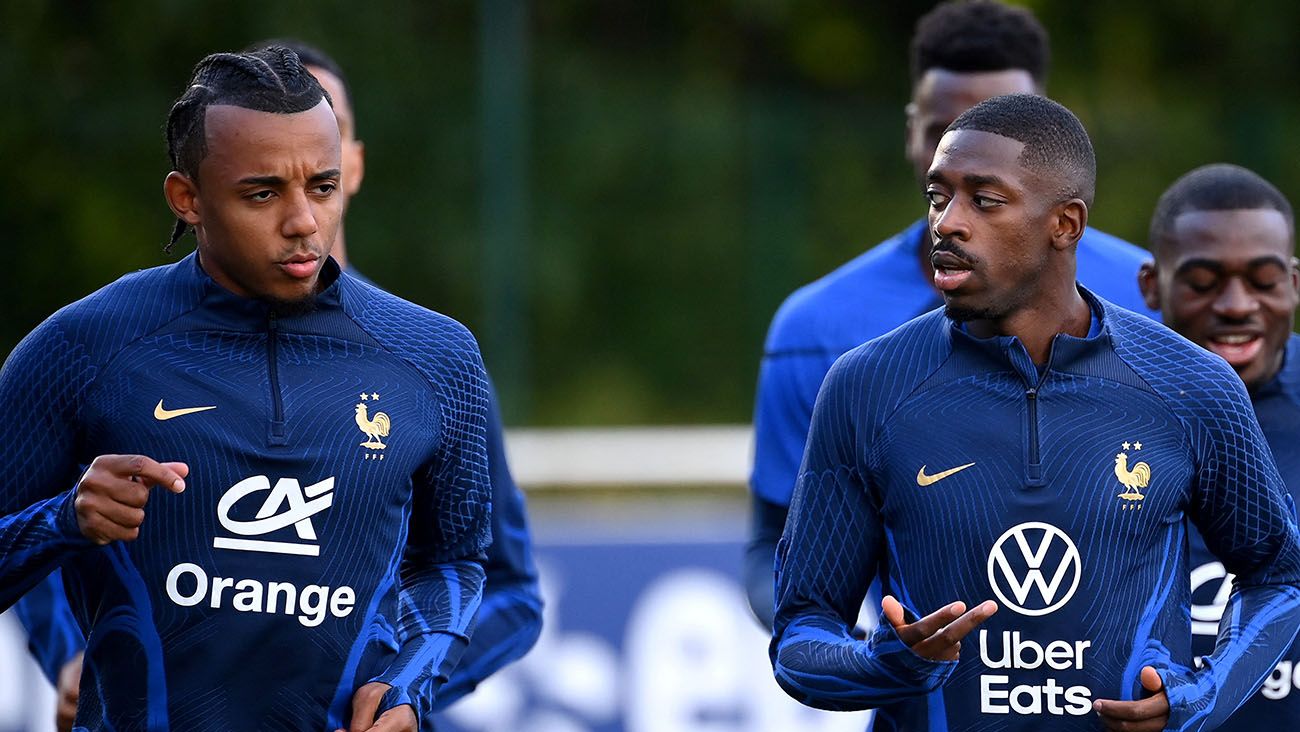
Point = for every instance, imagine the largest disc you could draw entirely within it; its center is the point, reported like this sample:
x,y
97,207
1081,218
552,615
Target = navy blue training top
x,y
337,498
952,469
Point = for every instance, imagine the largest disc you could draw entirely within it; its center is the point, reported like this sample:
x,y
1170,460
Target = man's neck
x,y
1037,324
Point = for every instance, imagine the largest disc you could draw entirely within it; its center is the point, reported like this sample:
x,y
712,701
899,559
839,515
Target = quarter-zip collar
x,y
1067,353
223,309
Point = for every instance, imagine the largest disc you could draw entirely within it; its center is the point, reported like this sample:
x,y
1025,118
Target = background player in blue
x,y
509,619
268,366
1225,277
1035,444
962,54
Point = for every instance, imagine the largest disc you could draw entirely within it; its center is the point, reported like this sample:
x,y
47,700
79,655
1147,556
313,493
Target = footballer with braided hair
x,y
319,443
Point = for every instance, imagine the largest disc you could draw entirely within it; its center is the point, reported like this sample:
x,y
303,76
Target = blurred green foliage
x,y
689,162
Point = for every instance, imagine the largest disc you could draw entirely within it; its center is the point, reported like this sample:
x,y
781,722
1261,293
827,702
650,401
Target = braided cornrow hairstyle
x,y
271,79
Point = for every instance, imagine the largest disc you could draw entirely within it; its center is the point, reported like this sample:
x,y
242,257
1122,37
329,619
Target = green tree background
x,y
671,169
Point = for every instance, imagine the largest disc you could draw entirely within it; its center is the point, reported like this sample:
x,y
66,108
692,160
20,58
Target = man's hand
x,y
69,690
1148,715
938,635
366,702
112,494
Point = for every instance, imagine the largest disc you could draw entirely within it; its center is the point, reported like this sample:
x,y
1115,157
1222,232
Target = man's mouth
x,y
950,271
1238,349
300,266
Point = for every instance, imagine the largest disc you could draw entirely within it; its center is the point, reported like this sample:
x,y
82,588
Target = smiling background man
x,y
1225,277
259,598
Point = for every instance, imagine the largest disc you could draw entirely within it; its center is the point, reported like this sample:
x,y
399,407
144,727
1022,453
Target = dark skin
x,y
1227,281
1004,247
938,98
937,636
1004,254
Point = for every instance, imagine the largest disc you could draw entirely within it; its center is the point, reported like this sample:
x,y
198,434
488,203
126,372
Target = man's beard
x,y
967,313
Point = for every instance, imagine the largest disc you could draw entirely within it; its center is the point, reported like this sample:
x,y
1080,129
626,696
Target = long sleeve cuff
x,y
828,669
1258,626
34,541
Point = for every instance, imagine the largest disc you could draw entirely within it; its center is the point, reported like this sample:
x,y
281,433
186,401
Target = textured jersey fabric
x,y
337,498
865,298
53,636
506,627
951,468
1277,704
509,619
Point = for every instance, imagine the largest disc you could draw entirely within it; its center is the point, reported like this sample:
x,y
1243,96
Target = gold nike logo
x,y
923,480
162,415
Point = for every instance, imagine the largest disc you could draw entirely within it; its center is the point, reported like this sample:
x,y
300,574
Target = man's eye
x,y
326,189
1201,285
985,202
260,196
937,198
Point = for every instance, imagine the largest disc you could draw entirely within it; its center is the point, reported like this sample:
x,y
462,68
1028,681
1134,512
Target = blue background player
x,y
332,437
509,619
1225,277
962,54
1034,444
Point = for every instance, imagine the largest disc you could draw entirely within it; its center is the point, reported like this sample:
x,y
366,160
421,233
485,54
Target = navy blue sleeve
x,y
441,572
53,636
1242,509
766,524
510,618
826,561
42,386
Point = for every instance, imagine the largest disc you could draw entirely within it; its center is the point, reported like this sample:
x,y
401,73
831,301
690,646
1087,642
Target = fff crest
x,y
1133,479
375,427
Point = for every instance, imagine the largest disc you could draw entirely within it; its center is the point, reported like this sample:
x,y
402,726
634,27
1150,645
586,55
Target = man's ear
x,y
1149,284
182,195
1295,274
356,151
1069,223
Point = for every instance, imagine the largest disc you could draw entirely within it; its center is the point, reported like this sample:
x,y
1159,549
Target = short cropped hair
x,y
272,79
1056,144
980,35
1216,187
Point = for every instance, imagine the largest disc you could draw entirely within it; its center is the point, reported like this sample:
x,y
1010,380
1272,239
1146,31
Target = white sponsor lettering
x,y
299,505
1050,697
1012,556
1205,618
188,585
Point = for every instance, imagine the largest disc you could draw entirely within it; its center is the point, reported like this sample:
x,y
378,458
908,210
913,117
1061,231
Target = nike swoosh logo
x,y
162,415
923,480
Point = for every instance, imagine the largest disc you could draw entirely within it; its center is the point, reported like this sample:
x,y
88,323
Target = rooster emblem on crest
x,y
1133,479
375,428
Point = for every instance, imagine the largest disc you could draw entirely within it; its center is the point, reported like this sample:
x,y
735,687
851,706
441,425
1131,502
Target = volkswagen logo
x,y
1034,568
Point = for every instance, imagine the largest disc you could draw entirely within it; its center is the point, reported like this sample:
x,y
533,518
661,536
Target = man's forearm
x,y
818,662
1258,626
438,606
34,541
509,622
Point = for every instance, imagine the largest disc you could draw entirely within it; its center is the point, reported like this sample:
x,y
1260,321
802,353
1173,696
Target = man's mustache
x,y
955,249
